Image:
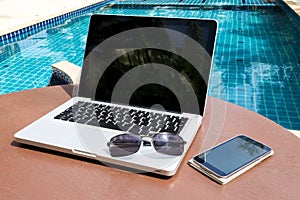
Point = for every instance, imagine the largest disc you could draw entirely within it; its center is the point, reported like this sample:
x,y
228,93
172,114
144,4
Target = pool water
x,y
256,62
27,64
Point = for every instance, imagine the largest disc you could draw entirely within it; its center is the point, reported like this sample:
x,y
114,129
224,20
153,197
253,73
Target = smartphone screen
x,y
232,155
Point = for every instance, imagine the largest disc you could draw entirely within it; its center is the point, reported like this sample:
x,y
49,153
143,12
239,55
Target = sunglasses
x,y
127,144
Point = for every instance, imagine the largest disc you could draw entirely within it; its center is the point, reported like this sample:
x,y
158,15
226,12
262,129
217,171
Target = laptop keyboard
x,y
120,118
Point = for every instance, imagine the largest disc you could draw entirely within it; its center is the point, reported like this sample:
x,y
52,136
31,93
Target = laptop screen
x,y
149,62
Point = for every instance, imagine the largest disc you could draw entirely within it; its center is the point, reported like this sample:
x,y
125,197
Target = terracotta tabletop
x,y
33,173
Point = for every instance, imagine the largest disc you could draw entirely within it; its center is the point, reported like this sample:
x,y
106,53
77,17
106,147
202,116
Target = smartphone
x,y
228,160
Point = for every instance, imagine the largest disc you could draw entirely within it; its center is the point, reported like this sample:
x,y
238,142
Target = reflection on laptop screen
x,y
152,62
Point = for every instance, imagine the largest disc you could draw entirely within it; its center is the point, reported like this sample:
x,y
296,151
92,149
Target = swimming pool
x,y
255,65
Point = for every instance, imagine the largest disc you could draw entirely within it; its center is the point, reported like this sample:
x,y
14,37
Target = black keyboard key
x,y
71,119
58,116
154,129
117,118
81,121
124,126
93,122
135,129
169,129
145,129
174,124
113,126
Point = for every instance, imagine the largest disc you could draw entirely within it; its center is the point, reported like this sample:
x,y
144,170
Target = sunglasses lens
x,y
168,144
124,145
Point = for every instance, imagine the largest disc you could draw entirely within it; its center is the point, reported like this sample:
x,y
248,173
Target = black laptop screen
x,y
151,62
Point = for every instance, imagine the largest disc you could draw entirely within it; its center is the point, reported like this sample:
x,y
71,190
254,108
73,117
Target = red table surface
x,y
33,173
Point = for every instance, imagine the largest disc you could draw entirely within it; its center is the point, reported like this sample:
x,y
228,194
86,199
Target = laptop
x,y
141,96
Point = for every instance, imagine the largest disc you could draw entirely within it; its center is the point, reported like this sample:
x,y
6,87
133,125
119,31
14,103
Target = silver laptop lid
x,y
151,62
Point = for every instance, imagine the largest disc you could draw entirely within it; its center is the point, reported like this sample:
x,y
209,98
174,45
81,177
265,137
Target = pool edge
x,y
22,31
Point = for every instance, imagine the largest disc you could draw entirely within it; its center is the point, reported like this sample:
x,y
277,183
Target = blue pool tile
x,y
249,67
